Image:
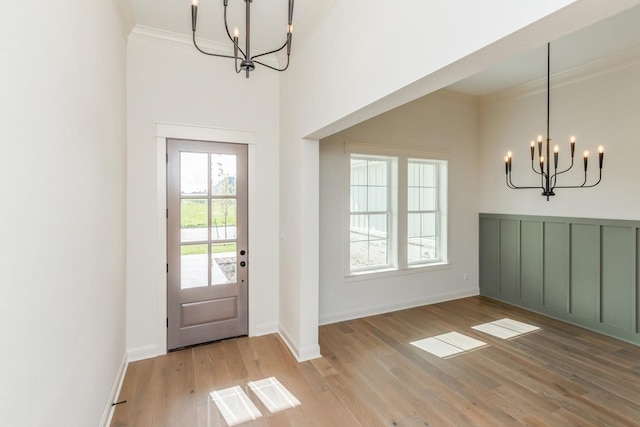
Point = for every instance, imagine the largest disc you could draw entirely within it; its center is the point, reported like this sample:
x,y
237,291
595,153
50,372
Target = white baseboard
x,y
266,329
328,318
107,414
301,354
144,352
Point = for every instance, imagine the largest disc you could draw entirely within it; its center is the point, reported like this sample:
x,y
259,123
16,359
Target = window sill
x,y
392,272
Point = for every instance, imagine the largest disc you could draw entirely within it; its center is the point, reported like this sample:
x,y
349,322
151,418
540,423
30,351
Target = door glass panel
x,y
193,220
194,270
223,263
193,174
223,174
223,219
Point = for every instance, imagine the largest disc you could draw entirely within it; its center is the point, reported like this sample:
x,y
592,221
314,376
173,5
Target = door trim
x,y
165,131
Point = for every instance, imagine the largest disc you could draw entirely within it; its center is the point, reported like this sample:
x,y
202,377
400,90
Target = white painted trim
x,y
396,306
199,133
204,133
155,34
309,352
301,354
143,352
265,329
107,414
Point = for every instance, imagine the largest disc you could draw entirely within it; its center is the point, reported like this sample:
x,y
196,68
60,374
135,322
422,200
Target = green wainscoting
x,y
583,271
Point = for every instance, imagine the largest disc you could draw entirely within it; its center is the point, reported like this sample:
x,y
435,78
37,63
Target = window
x,y
423,213
370,212
397,212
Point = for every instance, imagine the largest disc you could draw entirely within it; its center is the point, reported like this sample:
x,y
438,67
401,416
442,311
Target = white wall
x,y
171,82
445,122
363,58
599,106
62,216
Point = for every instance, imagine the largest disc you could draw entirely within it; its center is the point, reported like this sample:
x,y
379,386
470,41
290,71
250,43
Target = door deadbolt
x,y
242,263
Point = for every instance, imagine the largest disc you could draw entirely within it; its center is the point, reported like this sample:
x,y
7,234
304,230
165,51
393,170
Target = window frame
x,y
391,164
398,203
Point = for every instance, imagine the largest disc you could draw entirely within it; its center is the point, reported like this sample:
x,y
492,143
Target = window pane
x,y
427,199
421,249
421,238
428,224
193,220
223,219
377,172
223,263
358,199
369,242
193,174
413,225
413,198
377,199
358,172
223,174
193,266
413,174
359,228
427,175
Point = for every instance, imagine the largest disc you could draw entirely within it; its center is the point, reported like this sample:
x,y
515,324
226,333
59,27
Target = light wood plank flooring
x,y
370,375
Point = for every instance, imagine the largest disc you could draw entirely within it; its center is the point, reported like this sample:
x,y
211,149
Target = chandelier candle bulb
x,y
573,145
539,145
586,160
506,165
541,162
600,155
533,149
556,149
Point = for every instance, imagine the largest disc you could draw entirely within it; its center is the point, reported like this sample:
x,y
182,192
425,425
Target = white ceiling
x,y
589,44
269,20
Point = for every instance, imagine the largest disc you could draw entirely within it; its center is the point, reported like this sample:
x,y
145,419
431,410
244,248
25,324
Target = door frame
x,y
166,131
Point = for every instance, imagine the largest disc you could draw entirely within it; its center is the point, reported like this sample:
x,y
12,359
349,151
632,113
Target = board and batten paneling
x,y
583,271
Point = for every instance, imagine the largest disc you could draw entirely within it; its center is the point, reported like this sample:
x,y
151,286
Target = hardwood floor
x,y
370,375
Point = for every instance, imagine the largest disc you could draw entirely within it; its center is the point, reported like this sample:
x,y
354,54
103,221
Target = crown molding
x,y
154,34
617,61
127,17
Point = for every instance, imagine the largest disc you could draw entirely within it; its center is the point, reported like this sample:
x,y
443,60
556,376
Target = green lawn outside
x,y
202,249
193,213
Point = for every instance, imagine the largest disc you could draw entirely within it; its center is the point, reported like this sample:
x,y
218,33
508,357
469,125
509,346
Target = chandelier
x,y
247,62
548,180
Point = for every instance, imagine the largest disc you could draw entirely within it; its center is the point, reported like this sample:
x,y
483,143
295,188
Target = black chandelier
x,y
547,179
248,62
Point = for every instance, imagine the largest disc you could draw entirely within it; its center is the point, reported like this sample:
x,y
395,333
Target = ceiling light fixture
x,y
548,180
247,62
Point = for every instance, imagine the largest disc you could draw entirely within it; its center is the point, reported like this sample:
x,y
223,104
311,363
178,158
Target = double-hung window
x,y
397,211
370,218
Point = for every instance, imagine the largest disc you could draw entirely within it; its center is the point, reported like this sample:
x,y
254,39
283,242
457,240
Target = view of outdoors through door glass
x,y
208,219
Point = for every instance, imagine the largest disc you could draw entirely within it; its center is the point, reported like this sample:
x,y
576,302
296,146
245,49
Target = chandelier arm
x,y
274,68
597,182
534,169
226,27
583,185
208,53
270,52
515,187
